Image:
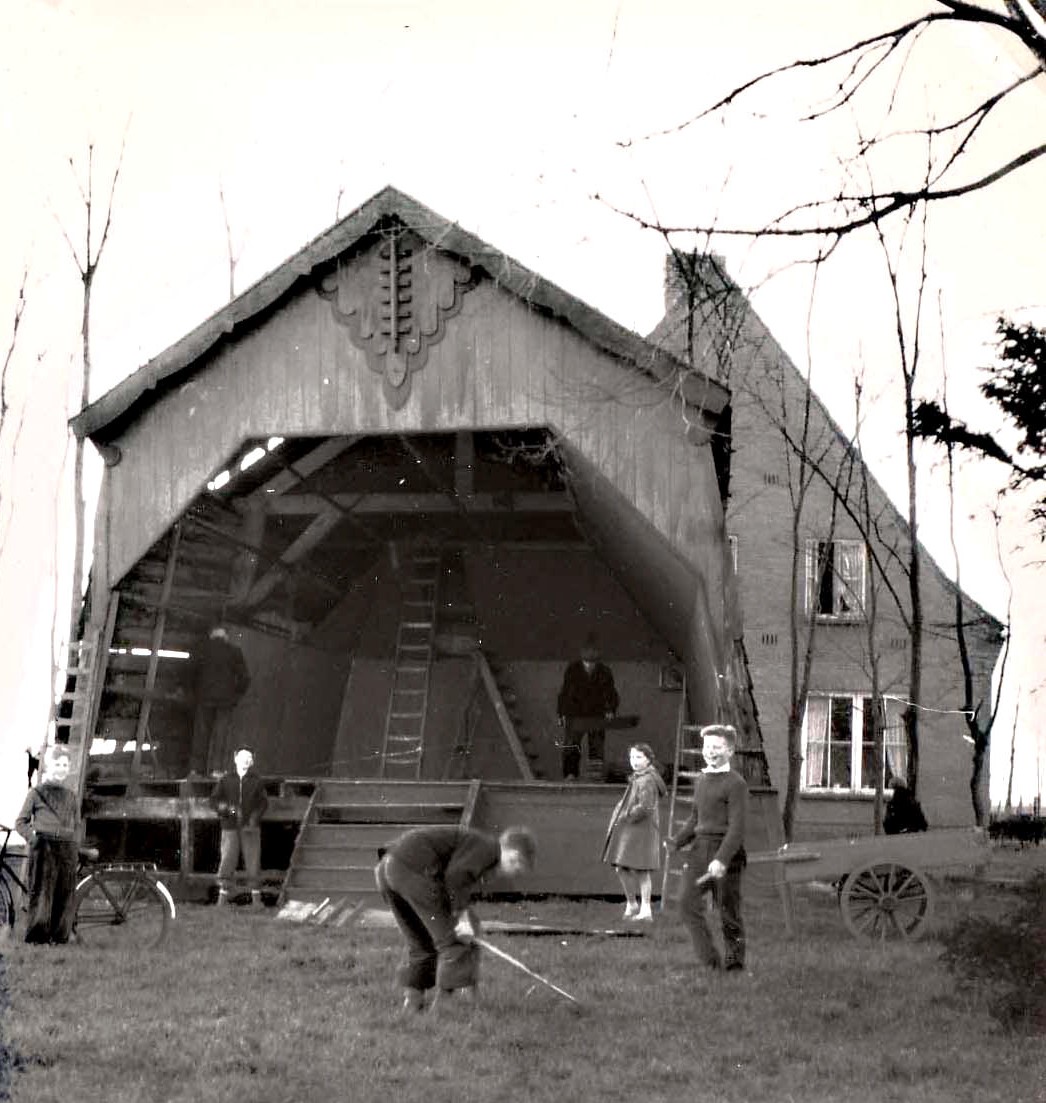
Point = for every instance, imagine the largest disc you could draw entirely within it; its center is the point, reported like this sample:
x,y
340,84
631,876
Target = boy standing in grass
x,y
50,824
715,834
240,800
427,877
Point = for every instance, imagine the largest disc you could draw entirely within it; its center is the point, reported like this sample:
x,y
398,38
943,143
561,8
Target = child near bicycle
x,y
50,824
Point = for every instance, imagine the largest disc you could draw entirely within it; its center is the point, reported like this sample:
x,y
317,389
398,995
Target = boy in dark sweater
x,y
714,835
50,823
427,877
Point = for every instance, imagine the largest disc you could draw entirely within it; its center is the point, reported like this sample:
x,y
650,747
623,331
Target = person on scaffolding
x,y
588,695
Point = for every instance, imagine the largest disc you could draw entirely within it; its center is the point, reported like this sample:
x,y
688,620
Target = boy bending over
x,y
427,877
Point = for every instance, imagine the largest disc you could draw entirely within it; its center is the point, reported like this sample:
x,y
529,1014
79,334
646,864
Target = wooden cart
x,y
884,890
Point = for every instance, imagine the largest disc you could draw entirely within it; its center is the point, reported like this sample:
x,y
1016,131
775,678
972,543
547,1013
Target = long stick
x,y
498,952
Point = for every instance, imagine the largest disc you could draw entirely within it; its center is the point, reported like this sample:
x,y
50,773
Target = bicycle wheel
x,y
121,909
7,903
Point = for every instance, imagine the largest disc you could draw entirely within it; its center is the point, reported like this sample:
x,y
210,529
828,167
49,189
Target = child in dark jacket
x,y
240,800
715,834
50,824
427,877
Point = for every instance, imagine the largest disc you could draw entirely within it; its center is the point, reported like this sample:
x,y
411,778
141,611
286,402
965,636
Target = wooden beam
x,y
501,504
300,469
313,535
246,565
142,727
515,746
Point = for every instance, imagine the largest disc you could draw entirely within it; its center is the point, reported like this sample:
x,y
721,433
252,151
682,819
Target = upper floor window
x,y
839,742
835,578
732,544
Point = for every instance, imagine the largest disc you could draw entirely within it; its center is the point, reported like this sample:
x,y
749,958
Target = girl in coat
x,y
633,842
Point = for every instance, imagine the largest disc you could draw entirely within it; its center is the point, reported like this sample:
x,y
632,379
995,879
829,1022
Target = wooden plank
x,y
552,501
830,859
507,727
156,643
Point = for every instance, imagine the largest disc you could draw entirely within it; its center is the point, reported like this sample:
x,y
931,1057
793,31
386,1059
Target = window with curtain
x,y
839,742
836,572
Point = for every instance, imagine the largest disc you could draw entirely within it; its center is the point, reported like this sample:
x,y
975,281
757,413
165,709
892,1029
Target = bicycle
x,y
8,880
116,905
120,905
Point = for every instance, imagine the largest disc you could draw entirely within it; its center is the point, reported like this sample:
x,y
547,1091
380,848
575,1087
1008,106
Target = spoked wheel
x,y
886,901
121,910
8,912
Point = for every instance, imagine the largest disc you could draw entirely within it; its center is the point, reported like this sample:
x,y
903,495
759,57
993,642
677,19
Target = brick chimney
x,y
694,271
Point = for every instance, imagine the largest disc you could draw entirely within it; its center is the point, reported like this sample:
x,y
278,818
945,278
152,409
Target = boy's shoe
x,y
644,916
631,911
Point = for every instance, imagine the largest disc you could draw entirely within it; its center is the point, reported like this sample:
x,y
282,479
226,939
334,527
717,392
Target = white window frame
x,y
816,751
849,580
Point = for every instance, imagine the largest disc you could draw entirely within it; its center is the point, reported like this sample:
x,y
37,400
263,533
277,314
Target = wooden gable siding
x,y
499,365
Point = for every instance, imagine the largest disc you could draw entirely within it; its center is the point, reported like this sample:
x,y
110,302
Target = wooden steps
x,y
349,820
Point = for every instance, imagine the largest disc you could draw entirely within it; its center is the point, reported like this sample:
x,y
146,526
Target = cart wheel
x,y
886,900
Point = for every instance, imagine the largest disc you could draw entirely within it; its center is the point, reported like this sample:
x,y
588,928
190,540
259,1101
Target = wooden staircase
x,y
348,820
403,744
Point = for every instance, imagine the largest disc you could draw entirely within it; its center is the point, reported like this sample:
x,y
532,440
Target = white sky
x,y
506,117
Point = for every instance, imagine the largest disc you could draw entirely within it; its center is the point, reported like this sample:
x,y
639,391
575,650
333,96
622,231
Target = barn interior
x,y
490,554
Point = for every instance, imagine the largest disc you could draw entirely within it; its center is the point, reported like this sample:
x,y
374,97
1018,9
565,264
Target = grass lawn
x,y
241,1006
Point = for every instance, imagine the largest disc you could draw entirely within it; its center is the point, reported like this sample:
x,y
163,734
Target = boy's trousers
x,y
725,895
435,955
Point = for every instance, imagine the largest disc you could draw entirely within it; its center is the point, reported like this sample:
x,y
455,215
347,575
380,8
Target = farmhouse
x,y
844,586
409,477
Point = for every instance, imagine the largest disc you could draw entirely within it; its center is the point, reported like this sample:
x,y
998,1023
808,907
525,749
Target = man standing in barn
x,y
587,696
221,679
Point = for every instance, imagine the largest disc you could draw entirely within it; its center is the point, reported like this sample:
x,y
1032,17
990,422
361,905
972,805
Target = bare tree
x,y
231,251
19,310
873,67
88,257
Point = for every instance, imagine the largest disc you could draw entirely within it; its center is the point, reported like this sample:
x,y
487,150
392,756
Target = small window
x,y
732,542
835,579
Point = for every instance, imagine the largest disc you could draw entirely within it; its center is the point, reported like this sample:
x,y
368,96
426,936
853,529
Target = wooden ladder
x,y
403,745
686,769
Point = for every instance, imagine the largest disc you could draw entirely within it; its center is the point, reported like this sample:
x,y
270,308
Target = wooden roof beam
x,y
299,548
408,502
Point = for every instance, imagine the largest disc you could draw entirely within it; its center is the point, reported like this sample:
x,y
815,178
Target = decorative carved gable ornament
x,y
394,300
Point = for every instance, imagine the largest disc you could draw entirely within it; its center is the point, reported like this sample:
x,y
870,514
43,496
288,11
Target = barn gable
x,y
409,477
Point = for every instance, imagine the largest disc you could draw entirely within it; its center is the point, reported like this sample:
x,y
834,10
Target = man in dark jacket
x,y
239,799
427,877
588,692
221,679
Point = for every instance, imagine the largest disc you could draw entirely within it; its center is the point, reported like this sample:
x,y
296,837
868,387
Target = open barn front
x,y
407,478
309,552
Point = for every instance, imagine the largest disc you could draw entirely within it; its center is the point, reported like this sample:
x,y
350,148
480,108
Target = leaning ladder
x,y
403,745
686,769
